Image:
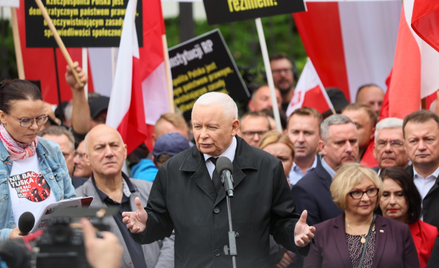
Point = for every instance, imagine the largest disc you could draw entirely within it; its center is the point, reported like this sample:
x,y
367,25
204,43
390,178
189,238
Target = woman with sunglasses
x,y
358,237
401,201
26,158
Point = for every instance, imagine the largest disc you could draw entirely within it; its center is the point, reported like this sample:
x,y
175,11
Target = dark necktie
x,y
216,180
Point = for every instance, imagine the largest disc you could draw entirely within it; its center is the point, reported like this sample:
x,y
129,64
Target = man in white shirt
x,y
303,129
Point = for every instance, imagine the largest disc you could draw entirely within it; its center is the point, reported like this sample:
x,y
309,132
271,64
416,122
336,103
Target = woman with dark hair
x,y
401,201
25,157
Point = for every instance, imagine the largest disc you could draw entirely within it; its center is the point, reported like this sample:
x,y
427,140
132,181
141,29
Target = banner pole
x,y
17,43
168,74
268,72
58,40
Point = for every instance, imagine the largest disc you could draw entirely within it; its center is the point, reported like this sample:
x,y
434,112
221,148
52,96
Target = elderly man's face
x,y
106,151
389,148
82,168
252,129
213,132
341,146
66,149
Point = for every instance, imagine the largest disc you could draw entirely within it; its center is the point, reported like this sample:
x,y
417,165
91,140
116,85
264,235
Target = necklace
x,y
363,236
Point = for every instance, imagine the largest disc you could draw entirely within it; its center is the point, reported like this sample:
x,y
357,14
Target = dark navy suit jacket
x,y
312,193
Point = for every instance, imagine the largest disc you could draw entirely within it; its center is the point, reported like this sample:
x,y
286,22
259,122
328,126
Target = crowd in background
x,y
369,185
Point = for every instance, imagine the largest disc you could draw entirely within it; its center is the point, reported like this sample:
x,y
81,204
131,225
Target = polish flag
x,y
415,67
351,43
425,21
139,85
309,92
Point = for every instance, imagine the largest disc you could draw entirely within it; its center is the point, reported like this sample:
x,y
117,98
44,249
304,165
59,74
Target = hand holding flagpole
x,y
58,40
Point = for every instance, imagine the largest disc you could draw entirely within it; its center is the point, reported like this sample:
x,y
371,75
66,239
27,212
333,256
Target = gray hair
x,y
335,119
230,109
59,131
391,122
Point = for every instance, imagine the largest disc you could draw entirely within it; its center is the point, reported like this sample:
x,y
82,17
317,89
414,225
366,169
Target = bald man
x,y
105,152
372,96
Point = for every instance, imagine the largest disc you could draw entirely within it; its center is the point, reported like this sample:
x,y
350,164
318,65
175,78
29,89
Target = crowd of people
x,y
330,190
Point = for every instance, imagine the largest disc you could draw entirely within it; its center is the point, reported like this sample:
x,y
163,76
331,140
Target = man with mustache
x,y
303,129
283,77
389,147
421,134
338,144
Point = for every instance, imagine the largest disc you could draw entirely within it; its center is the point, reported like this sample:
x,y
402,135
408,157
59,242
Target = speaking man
x,y
421,134
184,197
339,145
105,151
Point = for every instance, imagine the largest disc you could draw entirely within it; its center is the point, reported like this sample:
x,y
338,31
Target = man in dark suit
x,y
339,145
421,134
186,197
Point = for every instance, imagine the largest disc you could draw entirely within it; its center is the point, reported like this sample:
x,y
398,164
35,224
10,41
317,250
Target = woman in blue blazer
x,y
358,237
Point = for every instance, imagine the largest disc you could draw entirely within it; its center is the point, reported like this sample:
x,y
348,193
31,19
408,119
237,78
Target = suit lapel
x,y
380,240
240,163
194,162
339,236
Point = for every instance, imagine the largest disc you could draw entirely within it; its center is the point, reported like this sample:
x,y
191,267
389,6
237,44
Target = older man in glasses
x,y
389,144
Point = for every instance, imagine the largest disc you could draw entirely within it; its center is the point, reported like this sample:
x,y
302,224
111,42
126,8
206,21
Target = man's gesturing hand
x,y
302,232
136,221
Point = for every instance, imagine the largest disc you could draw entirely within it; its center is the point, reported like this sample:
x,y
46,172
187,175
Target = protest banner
x,y
80,23
204,64
222,11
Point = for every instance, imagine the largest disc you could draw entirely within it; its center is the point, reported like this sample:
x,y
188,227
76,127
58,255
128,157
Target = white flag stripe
x,y
121,92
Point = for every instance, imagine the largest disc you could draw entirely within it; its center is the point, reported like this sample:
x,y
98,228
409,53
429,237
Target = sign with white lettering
x,y
80,23
222,11
204,64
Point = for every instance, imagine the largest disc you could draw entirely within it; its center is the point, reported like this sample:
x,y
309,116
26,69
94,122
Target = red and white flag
x,y
415,68
425,21
309,92
137,84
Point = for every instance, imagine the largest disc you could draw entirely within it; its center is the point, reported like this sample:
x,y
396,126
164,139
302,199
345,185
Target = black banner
x,y
204,64
80,23
222,11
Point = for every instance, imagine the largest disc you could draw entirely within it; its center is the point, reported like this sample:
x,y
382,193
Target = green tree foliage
x,y
7,52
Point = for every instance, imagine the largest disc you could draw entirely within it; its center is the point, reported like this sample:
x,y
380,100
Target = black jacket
x,y
183,197
430,204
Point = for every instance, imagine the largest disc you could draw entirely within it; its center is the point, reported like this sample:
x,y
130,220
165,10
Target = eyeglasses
x,y
79,155
359,194
251,134
395,143
28,122
279,71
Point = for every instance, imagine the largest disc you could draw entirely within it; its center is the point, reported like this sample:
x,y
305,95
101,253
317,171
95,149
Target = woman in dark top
x,y
358,237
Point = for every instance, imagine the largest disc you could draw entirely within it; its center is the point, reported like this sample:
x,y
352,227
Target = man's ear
x,y
235,127
322,147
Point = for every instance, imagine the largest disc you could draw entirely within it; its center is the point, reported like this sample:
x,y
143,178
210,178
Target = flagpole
x,y
268,72
17,44
58,40
168,74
